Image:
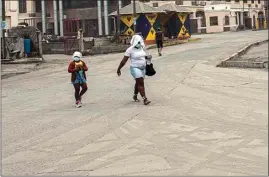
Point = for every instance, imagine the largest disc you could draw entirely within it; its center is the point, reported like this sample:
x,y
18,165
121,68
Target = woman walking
x,y
77,68
137,56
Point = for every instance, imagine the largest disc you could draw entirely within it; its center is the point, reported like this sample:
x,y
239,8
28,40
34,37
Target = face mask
x,y
76,59
138,46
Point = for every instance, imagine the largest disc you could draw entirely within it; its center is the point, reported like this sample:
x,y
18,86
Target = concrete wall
x,y
53,48
12,12
218,7
221,16
160,3
240,4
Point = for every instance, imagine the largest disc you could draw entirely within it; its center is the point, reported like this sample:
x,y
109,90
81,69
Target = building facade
x,y
172,19
66,17
224,15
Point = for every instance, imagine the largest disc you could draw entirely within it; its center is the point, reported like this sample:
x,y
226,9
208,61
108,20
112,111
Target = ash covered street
x,y
203,120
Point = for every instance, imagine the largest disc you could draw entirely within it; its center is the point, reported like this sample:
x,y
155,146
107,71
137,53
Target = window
x,y
72,4
155,4
38,5
22,6
236,1
259,1
227,20
214,21
245,1
194,3
179,2
252,1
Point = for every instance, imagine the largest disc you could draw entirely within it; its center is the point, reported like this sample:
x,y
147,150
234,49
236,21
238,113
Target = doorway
x,y
254,21
261,20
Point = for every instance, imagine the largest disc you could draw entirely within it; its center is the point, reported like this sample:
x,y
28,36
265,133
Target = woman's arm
x,y
122,63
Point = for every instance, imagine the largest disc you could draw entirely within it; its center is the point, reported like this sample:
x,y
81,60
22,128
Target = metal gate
x,y
70,46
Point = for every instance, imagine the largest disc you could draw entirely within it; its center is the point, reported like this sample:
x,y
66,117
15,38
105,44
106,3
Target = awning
x,y
174,8
141,8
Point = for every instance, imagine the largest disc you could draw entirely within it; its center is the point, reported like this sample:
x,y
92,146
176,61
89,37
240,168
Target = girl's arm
x,y
71,68
85,68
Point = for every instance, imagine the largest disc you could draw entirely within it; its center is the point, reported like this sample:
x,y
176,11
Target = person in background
x,y
137,56
77,68
159,40
80,40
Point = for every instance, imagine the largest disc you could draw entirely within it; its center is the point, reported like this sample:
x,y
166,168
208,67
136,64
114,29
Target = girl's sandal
x,y
146,101
135,98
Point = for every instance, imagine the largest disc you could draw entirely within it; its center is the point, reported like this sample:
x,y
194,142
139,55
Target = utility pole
x,y
118,19
3,30
134,14
61,17
244,14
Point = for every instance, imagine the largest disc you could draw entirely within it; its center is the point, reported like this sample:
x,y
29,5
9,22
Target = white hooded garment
x,y
137,38
137,56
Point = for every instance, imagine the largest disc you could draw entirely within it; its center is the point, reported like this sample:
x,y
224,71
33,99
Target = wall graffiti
x,y
177,25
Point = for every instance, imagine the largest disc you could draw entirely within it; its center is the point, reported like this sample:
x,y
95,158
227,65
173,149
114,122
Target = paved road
x,y
203,120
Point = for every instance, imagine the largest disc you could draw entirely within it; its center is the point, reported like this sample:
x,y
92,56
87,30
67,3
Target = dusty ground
x,y
203,120
11,70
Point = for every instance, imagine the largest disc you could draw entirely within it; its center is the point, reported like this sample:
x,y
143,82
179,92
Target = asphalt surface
x,y
203,120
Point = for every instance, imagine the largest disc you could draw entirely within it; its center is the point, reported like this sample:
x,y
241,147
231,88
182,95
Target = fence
x,y
53,47
67,46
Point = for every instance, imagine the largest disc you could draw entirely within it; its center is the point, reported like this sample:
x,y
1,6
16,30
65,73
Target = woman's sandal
x,y
135,98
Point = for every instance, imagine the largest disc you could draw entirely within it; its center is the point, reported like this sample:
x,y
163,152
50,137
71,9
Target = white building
x,y
223,15
208,16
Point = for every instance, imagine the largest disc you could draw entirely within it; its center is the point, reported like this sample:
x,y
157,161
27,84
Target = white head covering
x,y
137,38
77,56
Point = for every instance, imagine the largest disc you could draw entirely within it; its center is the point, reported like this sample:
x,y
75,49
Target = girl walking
x,y
137,56
78,69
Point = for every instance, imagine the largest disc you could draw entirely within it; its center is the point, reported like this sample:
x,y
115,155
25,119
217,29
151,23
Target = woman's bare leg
x,y
135,92
141,89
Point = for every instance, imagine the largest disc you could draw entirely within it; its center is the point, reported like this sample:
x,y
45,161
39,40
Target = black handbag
x,y
150,71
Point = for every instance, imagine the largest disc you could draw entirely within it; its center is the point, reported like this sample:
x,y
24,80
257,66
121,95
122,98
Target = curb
x,y
23,61
243,64
175,43
153,46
